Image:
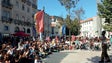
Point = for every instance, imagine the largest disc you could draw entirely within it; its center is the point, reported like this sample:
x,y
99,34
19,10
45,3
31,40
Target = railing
x,y
23,23
34,6
28,2
6,19
16,21
7,4
23,1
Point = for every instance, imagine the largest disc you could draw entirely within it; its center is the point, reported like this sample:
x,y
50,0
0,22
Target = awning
x,y
21,33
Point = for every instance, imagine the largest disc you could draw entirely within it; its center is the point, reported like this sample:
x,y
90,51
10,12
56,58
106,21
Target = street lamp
x,y
52,25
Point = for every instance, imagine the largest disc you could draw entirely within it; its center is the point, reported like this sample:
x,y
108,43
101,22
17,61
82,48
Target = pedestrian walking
x,y
104,54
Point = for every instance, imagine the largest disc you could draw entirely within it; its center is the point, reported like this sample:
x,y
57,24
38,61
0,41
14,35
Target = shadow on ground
x,y
96,59
56,57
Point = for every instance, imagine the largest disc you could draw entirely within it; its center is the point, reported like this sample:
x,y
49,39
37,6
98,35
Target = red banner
x,y
39,17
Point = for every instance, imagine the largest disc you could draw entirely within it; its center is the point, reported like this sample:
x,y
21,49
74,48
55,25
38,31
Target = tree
x,y
68,4
67,22
75,28
108,27
105,11
79,13
78,16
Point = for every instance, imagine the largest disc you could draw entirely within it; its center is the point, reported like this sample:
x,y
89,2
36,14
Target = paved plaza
x,y
75,56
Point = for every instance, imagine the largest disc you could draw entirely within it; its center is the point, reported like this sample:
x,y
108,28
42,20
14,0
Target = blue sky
x,y
54,8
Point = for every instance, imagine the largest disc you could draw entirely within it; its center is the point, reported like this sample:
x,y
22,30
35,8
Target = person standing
x,y
111,41
104,54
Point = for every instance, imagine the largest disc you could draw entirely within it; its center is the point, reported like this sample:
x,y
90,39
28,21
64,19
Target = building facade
x,y
47,27
91,27
17,15
56,26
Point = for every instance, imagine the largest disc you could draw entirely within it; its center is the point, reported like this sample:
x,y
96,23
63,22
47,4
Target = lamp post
x,y
52,26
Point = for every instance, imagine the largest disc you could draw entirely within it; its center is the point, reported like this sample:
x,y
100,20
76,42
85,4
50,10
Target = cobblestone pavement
x,y
75,56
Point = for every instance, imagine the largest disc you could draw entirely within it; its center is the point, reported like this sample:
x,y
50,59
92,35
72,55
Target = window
x,y
6,13
17,29
23,8
28,30
6,1
89,22
17,4
33,1
6,28
17,16
23,18
28,10
24,30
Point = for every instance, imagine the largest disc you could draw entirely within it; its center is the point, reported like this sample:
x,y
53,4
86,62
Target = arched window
x,y
17,29
28,30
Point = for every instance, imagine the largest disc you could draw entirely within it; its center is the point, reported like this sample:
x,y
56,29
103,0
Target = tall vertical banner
x,y
39,24
34,32
63,29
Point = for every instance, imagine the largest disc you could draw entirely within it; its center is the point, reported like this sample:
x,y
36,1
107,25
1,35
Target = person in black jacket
x,y
104,54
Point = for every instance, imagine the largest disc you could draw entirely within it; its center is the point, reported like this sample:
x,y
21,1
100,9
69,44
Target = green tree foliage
x,y
108,27
74,26
105,11
68,22
68,4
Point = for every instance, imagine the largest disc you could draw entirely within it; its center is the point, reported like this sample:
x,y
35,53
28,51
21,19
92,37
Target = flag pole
x,y
41,39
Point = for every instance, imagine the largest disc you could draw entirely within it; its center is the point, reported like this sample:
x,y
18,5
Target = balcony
x,y
33,15
7,4
29,24
28,2
34,6
20,22
23,1
6,19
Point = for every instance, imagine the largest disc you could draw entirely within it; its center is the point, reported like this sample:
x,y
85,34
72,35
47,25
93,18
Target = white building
x,y
56,26
91,27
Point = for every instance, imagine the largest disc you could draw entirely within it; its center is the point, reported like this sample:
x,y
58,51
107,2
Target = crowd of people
x,y
29,51
87,43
